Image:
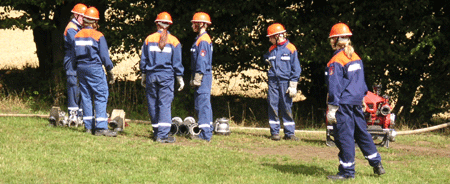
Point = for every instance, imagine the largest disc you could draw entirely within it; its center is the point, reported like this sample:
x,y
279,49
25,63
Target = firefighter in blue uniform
x,y
91,51
72,28
346,89
160,65
283,75
201,78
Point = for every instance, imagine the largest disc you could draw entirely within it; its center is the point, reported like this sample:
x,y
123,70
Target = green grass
x,y
32,152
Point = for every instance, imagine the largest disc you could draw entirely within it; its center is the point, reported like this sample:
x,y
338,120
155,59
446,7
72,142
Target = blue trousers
x,y
202,99
94,90
73,93
159,93
350,127
280,105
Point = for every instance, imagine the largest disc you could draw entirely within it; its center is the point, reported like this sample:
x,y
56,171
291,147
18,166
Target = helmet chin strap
x,y
277,37
163,25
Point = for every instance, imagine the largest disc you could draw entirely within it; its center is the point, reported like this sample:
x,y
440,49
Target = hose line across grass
x,y
408,132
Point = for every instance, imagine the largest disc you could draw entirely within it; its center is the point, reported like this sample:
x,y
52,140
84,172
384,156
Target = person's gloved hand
x,y
292,89
197,79
331,114
111,78
143,79
180,82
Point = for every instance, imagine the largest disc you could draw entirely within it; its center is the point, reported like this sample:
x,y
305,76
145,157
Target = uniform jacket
x,y
91,49
201,54
345,79
284,62
71,30
167,61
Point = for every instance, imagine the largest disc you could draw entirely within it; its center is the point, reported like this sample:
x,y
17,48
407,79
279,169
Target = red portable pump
x,y
380,120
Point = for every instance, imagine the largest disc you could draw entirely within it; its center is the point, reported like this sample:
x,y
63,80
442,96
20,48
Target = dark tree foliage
x,y
403,43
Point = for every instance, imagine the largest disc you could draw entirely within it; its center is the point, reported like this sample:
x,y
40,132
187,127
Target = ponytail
x,y
349,50
163,39
91,24
345,43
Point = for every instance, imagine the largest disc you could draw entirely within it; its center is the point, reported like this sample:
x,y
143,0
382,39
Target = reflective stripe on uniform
x,y
157,49
164,124
204,126
88,117
285,58
84,42
288,123
371,156
348,164
102,119
354,67
274,122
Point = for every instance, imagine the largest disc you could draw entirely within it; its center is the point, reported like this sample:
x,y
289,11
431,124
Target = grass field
x,y
32,152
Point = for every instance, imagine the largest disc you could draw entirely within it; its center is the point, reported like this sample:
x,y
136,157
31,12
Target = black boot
x,y
168,139
275,137
379,169
338,177
106,132
291,138
196,137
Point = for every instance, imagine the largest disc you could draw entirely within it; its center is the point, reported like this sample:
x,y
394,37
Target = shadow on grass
x,y
300,169
315,141
254,134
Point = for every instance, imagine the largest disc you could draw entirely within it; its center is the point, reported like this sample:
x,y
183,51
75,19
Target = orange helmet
x,y
340,29
79,9
164,17
274,29
201,17
91,14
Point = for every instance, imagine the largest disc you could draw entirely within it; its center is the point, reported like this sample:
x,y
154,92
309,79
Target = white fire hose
x,y
407,132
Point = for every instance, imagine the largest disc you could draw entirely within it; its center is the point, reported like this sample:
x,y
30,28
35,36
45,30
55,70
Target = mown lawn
x,y
32,152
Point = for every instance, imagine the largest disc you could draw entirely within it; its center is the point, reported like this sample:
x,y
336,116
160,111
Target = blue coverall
x,y
285,67
91,51
73,91
160,67
201,62
347,88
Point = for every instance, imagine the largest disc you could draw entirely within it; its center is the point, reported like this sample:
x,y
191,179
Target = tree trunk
x,y
50,53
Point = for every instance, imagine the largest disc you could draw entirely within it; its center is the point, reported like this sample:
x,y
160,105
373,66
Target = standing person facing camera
x,y
160,65
283,74
91,52
346,90
201,78
73,91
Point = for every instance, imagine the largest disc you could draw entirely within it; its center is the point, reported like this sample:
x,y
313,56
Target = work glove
x,y
292,89
143,79
364,106
111,78
197,79
331,114
180,82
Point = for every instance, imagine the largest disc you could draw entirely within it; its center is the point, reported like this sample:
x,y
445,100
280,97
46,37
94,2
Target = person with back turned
x,y
91,52
161,65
